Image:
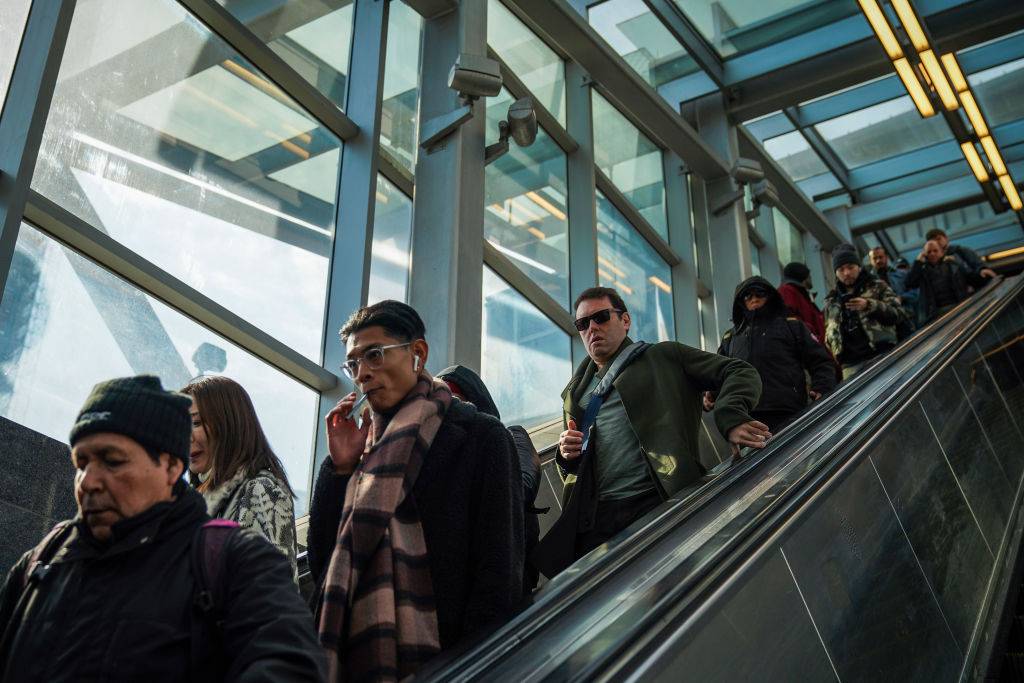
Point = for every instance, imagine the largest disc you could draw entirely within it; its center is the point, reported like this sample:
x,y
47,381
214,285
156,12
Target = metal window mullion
x,y
223,24
356,196
683,30
528,288
29,95
545,118
581,191
821,148
143,274
635,218
399,175
680,236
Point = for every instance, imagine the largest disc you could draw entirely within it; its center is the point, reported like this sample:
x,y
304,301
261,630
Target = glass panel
x,y
998,92
631,161
59,309
400,108
196,163
736,26
392,234
13,14
882,131
525,215
628,263
643,41
524,356
536,65
755,259
795,155
789,241
314,38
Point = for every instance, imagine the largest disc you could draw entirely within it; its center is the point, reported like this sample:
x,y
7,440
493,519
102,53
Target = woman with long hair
x,y
237,472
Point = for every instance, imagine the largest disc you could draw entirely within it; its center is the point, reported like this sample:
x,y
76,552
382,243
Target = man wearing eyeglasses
x,y
645,432
416,524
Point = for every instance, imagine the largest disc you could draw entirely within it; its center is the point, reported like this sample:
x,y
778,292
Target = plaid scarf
x,y
377,619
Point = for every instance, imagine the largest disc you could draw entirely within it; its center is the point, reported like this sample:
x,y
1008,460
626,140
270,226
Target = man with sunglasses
x,y
416,524
643,441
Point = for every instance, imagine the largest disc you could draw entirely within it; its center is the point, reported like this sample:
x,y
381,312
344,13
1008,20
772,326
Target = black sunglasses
x,y
755,291
601,317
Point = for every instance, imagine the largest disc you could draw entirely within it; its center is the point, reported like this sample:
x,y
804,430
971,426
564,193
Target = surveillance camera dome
x,y
522,121
473,76
747,171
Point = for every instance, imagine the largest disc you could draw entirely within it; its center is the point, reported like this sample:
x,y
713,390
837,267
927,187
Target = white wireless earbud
x,y
416,364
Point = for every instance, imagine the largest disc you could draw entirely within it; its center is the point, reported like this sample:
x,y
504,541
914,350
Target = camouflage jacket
x,y
878,319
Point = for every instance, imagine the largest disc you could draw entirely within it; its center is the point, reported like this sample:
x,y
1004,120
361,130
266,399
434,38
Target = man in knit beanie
x,y
118,594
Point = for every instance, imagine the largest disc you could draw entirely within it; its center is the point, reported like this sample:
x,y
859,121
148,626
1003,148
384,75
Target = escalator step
x,y
1013,667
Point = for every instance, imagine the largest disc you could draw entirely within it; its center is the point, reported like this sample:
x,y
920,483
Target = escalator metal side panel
x,y
892,571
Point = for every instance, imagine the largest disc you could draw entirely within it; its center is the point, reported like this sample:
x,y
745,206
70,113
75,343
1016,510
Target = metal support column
x,y
24,115
356,194
680,238
581,191
730,242
446,285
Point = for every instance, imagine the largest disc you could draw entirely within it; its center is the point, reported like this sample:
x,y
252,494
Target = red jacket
x,y
799,303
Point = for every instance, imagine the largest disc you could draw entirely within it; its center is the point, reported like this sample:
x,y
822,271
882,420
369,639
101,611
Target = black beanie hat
x,y
140,408
844,254
796,271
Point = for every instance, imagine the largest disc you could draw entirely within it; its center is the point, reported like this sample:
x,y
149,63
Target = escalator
x,y
877,538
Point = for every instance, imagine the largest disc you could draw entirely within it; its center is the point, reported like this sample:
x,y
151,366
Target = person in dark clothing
x,y
452,548
111,597
861,313
897,280
780,348
795,291
972,263
468,386
645,430
942,278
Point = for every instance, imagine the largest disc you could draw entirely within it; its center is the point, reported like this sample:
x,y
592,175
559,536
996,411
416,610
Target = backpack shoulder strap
x,y
207,560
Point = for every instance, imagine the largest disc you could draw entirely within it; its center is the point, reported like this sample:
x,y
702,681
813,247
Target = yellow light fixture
x,y
611,266
536,233
994,157
660,284
974,160
956,76
1010,190
910,24
880,25
914,87
546,205
938,77
624,287
1004,254
974,114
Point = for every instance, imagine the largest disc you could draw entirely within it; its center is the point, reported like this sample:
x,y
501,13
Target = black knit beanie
x,y
844,254
796,271
140,408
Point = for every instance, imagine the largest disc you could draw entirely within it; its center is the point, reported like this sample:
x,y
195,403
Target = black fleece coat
x,y
780,348
926,275
471,508
123,611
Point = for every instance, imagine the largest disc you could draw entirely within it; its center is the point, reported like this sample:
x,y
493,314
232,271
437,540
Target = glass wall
x,y
392,237
536,65
314,38
628,263
525,206
13,14
400,107
795,155
998,92
755,259
525,358
67,324
789,241
631,161
187,155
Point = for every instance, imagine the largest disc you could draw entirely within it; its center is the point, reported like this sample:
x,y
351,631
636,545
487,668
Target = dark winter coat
x,y
798,301
123,611
951,273
470,505
780,348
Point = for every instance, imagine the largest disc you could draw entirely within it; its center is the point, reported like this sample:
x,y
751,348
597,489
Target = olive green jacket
x,y
661,391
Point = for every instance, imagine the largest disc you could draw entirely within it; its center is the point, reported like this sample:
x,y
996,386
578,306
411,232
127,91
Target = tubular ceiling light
x,y
1010,190
974,160
956,76
1003,254
880,25
914,87
974,114
910,24
994,157
931,63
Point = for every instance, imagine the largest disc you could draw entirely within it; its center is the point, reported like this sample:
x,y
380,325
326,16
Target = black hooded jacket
x,y
123,610
780,348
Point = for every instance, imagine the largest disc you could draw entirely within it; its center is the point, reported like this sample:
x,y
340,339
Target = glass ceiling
x,y
999,92
795,155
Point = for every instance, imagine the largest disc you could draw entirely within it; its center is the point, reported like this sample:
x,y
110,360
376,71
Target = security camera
x,y
521,126
764,193
474,77
746,171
